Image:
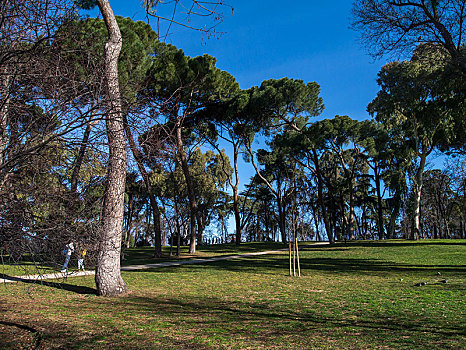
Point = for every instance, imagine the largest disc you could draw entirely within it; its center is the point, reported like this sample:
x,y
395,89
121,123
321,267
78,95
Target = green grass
x,y
356,296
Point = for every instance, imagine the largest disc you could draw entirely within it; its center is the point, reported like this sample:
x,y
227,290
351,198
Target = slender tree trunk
x,y
153,202
320,193
189,184
417,188
364,223
281,219
200,228
177,215
235,198
343,219
394,214
380,228
129,220
108,276
267,221
79,158
316,221
171,242
351,215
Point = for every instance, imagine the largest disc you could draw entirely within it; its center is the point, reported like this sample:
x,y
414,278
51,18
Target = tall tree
x,y
375,140
108,276
181,86
234,126
416,99
278,105
401,25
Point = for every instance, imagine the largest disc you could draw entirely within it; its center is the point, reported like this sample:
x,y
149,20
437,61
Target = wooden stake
x,y
297,255
294,256
289,251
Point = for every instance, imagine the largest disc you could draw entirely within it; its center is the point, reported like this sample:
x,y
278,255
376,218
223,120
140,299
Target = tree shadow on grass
x,y
395,243
270,263
37,338
219,313
58,285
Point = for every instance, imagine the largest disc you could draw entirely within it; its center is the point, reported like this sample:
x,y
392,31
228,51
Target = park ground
x,y
359,295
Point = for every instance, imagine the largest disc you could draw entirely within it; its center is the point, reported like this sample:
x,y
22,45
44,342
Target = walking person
x,y
69,249
81,259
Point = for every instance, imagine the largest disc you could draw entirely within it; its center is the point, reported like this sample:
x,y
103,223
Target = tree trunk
x,y
200,227
281,219
394,214
380,228
235,198
108,276
79,158
237,216
351,215
316,221
417,188
267,221
320,194
189,184
129,220
145,176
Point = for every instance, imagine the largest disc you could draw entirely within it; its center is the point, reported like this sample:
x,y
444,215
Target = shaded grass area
x,y
354,296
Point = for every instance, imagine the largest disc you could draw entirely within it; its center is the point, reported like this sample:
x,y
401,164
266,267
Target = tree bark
x,y
108,276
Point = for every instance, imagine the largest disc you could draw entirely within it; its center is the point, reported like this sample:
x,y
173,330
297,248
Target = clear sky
x,y
308,40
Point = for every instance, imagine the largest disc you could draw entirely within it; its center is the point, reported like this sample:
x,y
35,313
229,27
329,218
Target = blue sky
x,y
308,40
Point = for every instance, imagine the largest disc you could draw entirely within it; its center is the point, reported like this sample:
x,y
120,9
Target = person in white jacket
x,y
69,249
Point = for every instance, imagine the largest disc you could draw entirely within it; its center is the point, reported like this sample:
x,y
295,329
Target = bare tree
x,y
42,113
396,26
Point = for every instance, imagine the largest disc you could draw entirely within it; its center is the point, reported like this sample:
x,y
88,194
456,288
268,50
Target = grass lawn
x,y
362,295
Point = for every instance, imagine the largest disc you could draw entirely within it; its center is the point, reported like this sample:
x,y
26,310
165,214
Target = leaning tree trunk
x,y
80,156
108,276
189,184
145,176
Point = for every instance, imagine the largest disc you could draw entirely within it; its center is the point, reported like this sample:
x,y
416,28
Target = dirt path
x,y
63,275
